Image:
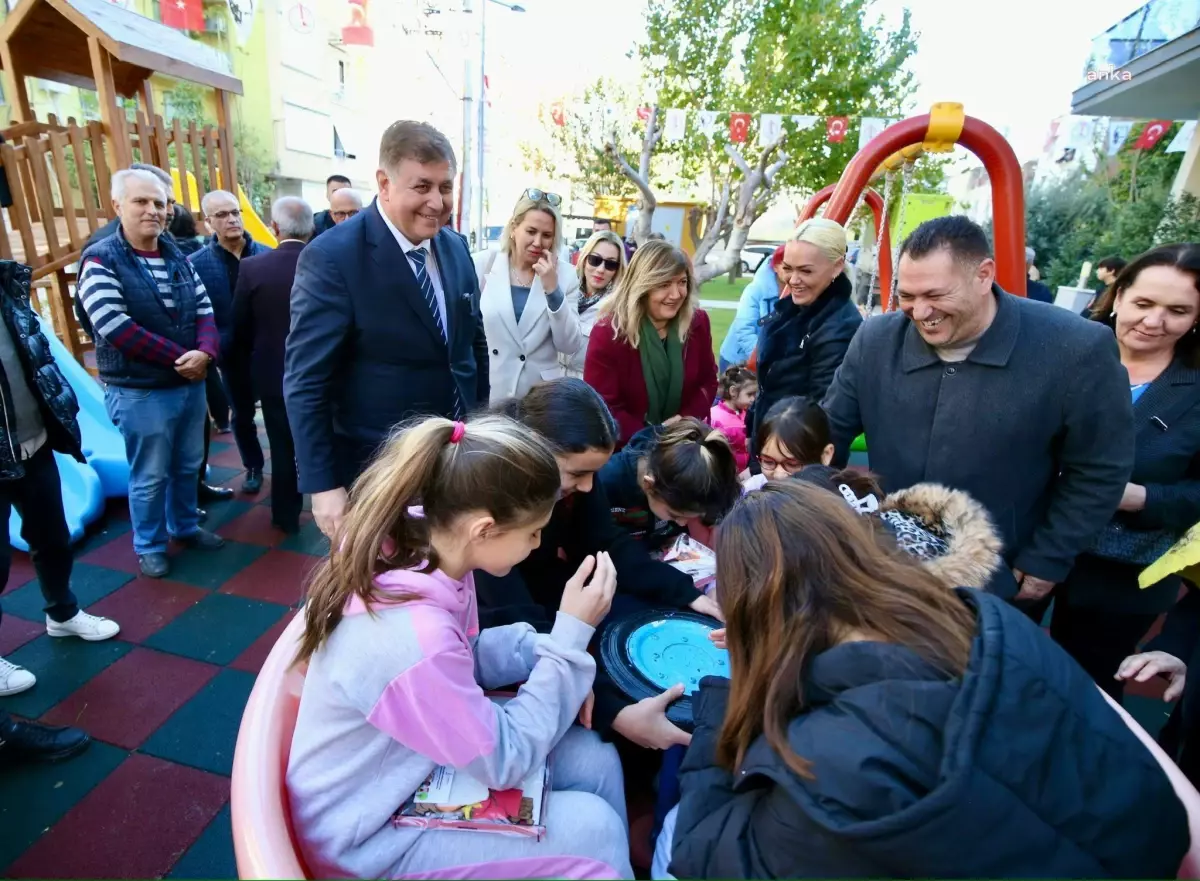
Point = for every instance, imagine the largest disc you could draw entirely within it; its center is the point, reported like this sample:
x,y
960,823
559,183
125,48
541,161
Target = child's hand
x,y
706,605
585,712
646,723
589,600
717,637
1147,665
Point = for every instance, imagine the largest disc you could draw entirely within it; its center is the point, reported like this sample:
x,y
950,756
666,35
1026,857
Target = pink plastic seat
x,y
263,839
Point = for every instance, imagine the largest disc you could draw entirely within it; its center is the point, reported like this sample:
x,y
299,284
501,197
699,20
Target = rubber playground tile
x,y
218,474
105,531
135,824
1150,713
20,570
277,576
217,629
251,660
15,632
146,605
230,457
211,569
202,733
146,686
34,797
61,666
88,583
216,446
254,527
114,554
310,540
212,854
220,513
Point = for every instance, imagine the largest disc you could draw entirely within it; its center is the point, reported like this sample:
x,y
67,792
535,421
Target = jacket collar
x,y
166,244
385,250
249,247
1170,395
994,348
291,245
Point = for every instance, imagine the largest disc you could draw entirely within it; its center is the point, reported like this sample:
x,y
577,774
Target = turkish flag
x,y
558,114
187,15
835,128
739,126
643,113
1152,134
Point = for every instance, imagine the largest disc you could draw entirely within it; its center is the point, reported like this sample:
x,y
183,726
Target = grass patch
x,y
721,289
719,319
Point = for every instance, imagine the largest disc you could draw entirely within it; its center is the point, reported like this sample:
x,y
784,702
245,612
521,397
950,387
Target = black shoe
x,y
30,742
253,481
202,540
223,429
154,565
210,493
201,514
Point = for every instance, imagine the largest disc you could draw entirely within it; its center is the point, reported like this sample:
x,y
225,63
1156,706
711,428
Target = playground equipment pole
x,y
875,202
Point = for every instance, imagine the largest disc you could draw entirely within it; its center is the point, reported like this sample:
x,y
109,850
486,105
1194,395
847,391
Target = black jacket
x,y
56,399
322,222
364,351
1038,291
627,500
532,591
1180,636
801,347
1166,421
261,316
218,270
1018,769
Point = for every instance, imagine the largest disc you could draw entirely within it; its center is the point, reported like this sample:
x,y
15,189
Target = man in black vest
x,y
155,341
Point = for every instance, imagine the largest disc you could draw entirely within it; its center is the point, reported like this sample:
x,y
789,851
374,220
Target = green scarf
x,y
662,366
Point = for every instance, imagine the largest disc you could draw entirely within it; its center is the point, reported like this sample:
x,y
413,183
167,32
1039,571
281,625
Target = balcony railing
x,y
1142,31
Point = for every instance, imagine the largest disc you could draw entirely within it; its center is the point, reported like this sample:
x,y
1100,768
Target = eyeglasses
x,y
225,215
343,215
535,195
791,466
596,261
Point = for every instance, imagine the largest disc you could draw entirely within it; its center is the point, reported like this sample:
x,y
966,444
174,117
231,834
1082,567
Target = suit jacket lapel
x,y
500,287
535,305
1167,398
395,270
448,272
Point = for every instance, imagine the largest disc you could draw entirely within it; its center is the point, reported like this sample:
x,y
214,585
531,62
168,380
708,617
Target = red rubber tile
x,y
275,577
15,632
127,701
227,458
254,527
117,554
146,605
20,571
136,824
251,660
1153,689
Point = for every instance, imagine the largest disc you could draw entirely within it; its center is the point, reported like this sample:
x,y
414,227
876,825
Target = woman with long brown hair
x,y
877,724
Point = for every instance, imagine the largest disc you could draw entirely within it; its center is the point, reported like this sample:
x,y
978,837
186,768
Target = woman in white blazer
x,y
601,262
528,299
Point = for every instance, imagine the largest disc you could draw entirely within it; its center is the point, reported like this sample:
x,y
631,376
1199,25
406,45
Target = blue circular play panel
x,y
648,652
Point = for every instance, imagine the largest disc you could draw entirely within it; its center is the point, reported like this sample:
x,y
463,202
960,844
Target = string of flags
x,y
676,122
1068,136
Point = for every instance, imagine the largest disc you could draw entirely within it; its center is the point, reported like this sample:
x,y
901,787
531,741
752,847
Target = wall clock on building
x,y
302,18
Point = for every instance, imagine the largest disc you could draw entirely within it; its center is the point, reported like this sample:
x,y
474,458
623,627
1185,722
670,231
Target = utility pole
x,y
466,214
479,141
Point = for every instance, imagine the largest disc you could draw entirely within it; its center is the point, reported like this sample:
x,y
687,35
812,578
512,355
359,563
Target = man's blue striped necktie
x,y
418,256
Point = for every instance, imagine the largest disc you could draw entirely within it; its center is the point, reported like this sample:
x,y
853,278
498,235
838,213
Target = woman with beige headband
x,y
805,338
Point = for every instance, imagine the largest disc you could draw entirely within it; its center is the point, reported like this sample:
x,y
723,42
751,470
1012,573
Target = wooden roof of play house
x,y
48,39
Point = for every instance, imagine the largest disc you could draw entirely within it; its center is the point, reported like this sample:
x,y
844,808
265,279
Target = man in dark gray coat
x,y
1023,405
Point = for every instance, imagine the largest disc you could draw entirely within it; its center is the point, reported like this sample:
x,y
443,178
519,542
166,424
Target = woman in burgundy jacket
x,y
650,355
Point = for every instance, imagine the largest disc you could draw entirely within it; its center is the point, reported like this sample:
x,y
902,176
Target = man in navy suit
x,y
385,322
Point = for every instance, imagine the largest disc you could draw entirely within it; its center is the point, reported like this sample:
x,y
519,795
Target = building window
x,y
341,74
339,149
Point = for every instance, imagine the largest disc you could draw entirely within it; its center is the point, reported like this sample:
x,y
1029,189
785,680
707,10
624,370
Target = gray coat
x,y
1037,424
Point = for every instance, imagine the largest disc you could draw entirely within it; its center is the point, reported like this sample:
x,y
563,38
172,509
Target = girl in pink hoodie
x,y
735,393
397,668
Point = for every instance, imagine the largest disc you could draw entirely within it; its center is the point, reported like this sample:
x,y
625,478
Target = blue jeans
x,y
164,443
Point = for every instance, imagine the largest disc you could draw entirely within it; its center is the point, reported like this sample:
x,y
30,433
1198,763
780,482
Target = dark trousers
x,y
286,501
38,499
218,401
241,405
1099,639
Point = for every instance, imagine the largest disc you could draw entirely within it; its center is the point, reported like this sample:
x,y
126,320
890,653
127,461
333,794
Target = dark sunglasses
x,y
535,195
596,261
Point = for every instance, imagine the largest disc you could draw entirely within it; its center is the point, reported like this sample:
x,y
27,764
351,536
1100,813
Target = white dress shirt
x,y
430,264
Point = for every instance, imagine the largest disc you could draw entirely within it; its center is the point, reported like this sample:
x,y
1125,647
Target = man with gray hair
x,y
1034,289
113,225
261,317
385,321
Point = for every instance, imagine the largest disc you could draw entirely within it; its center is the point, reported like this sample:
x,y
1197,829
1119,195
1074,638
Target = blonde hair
x,y
524,206
654,264
496,465
604,235
828,236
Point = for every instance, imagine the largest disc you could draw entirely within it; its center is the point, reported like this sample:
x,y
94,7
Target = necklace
x,y
515,277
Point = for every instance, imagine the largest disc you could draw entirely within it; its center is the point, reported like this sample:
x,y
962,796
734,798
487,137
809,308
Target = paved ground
x,y
163,701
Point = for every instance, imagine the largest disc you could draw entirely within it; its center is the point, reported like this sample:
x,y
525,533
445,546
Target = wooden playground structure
x,y
59,175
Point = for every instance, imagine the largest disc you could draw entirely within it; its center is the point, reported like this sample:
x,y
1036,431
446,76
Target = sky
x,y
1013,63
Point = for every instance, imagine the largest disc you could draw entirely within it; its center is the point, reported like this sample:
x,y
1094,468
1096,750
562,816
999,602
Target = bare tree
x,y
640,177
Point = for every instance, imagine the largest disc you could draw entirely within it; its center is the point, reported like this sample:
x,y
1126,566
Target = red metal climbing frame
x,y
875,202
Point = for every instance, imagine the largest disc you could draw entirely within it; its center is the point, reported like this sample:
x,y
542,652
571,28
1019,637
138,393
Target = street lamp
x,y
512,7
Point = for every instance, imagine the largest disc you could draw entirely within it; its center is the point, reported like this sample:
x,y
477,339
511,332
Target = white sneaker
x,y
91,628
14,679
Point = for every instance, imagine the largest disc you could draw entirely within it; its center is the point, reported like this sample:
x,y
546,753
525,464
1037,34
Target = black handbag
x,y
1139,547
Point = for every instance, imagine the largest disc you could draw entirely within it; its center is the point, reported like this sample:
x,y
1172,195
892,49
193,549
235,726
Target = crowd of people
x,y
501,445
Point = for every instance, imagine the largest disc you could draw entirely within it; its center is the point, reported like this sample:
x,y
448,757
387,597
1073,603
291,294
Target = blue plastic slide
x,y
106,473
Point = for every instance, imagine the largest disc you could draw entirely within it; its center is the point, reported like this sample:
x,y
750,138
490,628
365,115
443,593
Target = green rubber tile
x,y
309,540
212,854
33,797
219,474
90,584
61,666
211,569
217,629
220,513
101,534
217,446
202,733
1149,712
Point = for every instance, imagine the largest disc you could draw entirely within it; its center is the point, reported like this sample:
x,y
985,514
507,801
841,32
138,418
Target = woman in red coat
x,y
650,355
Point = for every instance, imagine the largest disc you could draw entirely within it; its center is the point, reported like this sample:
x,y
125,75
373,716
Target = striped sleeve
x,y
104,302
208,340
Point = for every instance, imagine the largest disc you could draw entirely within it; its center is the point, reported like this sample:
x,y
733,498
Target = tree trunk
x,y
640,176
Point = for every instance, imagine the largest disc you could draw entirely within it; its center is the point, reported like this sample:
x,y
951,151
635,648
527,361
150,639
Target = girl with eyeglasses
x,y
529,299
601,262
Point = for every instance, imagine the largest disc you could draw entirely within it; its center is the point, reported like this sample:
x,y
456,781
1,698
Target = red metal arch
x,y
875,201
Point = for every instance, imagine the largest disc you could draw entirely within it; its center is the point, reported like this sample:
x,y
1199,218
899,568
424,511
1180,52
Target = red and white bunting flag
x,y
558,114
1152,134
836,128
739,127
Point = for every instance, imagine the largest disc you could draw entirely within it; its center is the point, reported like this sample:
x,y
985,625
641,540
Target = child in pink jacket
x,y
736,392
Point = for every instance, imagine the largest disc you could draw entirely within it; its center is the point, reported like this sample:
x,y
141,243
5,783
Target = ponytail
x,y
448,469
734,376
694,469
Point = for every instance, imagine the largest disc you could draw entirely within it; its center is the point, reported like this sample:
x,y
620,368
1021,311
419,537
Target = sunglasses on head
x,y
535,195
596,261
